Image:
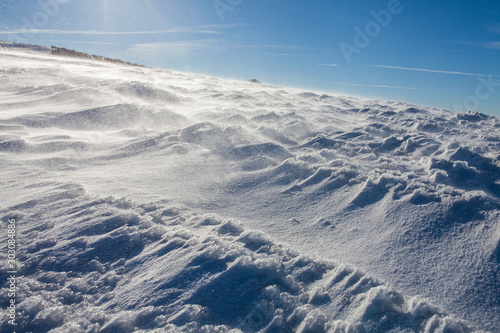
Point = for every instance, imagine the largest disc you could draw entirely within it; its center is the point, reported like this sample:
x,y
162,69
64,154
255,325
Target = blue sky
x,y
441,54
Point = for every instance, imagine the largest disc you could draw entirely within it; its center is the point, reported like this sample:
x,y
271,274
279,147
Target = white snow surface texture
x,y
156,201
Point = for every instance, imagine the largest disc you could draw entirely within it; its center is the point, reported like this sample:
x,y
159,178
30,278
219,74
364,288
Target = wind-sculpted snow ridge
x,y
409,195
92,264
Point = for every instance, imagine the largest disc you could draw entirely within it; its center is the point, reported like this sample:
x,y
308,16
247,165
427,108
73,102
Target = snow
x,y
156,201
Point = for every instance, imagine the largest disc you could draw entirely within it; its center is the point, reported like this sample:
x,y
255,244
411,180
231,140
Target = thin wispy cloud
x,y
222,26
425,70
492,45
272,46
485,45
178,48
372,85
109,33
84,42
278,54
329,65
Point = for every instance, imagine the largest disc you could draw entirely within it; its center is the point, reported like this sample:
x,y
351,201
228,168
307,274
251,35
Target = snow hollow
x,y
146,200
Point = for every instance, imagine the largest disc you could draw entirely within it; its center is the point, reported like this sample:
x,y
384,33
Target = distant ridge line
x,y
61,51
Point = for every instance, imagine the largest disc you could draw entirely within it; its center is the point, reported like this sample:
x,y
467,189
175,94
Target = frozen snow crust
x,y
158,200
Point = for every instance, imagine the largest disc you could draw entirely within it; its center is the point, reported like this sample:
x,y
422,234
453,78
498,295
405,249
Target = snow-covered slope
x,y
157,200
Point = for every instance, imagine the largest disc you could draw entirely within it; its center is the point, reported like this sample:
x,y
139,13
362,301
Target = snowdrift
x,y
109,265
151,200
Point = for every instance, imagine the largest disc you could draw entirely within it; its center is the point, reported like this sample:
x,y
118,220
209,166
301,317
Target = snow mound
x,y
110,265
